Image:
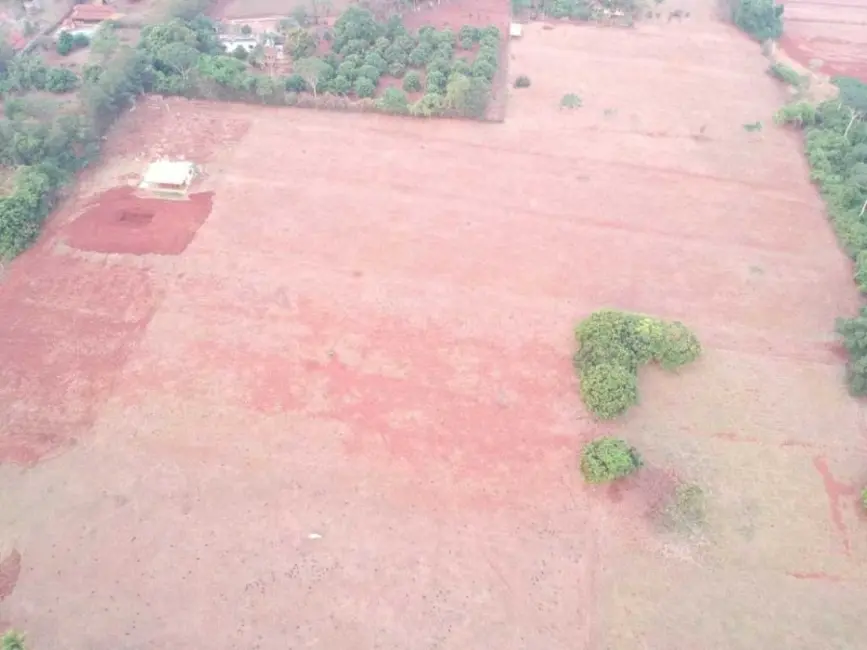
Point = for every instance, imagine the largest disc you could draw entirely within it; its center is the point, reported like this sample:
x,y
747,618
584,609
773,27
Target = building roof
x,y
92,12
167,172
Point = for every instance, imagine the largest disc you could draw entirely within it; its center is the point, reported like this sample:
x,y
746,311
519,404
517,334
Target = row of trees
x,y
836,146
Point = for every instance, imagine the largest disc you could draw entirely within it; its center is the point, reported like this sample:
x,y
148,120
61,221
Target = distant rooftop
x,y
93,13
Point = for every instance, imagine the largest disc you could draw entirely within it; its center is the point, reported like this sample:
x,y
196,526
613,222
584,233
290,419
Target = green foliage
x,y
246,30
429,105
240,53
376,61
484,70
340,85
761,19
412,82
369,72
614,344
348,70
364,87
854,334
608,459
864,498
786,74
467,96
396,69
799,114
61,80
853,93
80,41
13,640
393,100
686,510
65,43
436,82
314,71
570,100
355,24
468,36
420,55
523,81
295,83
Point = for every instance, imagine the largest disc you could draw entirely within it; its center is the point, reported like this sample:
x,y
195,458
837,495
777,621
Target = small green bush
x,y
436,82
364,87
240,53
80,40
685,511
523,81
570,100
13,640
864,498
420,55
377,61
412,82
786,74
608,459
484,70
761,19
429,105
614,344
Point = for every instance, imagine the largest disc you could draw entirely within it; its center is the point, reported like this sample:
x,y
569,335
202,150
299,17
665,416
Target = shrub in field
x,y
570,100
864,498
468,36
412,82
13,640
608,459
467,96
364,87
80,40
614,344
60,80
523,81
786,74
686,510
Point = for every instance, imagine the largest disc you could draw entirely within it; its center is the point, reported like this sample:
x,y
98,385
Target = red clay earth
x,y
346,416
122,221
832,32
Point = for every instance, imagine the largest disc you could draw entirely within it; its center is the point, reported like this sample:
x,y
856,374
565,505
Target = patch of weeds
x,y
523,81
610,112
864,498
13,640
571,100
753,127
687,509
608,459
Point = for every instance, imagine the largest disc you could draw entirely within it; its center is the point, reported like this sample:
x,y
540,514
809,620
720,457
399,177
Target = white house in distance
x,y
233,41
168,176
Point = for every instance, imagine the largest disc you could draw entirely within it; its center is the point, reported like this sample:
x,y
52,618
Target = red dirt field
x,y
345,416
122,221
834,33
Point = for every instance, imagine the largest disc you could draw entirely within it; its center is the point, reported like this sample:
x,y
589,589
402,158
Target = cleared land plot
x,y
834,33
345,415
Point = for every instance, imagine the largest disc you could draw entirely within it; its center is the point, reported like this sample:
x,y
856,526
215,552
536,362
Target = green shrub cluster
x,y
761,19
836,148
864,498
522,81
66,43
614,344
608,459
786,74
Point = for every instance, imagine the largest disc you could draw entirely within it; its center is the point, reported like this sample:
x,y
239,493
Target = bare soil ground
x,y
833,34
345,415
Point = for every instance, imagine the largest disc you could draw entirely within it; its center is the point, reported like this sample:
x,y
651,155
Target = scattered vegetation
x,y
608,459
836,147
570,100
614,344
66,43
523,81
761,19
686,510
864,498
13,640
786,74
752,127
580,10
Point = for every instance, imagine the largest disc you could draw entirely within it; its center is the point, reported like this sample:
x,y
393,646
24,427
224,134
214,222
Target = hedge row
x,y
614,344
836,148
